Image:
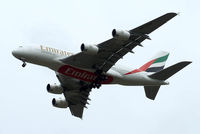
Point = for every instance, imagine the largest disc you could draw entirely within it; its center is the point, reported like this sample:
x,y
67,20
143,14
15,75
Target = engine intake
x,y
89,49
60,103
55,89
121,34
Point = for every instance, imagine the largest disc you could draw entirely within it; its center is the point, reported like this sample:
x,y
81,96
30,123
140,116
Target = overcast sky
x,y
25,105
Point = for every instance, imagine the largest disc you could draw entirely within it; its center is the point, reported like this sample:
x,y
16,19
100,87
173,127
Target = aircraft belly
x,y
68,82
81,74
140,80
77,74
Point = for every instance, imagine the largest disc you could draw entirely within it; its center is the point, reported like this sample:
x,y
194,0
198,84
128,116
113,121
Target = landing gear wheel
x,y
24,64
98,86
93,85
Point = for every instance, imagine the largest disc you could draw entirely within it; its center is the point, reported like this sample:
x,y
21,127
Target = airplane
x,y
96,65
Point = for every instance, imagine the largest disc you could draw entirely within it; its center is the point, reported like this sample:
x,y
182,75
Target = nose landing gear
x,y
24,64
23,60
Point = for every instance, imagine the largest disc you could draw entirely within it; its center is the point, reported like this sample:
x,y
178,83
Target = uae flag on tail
x,y
158,62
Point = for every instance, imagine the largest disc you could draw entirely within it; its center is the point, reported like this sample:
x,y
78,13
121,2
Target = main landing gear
x,y
100,78
96,85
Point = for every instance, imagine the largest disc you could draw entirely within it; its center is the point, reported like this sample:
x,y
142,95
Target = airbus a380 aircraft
x,y
95,65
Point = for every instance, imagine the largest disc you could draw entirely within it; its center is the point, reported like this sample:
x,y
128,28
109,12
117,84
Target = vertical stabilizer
x,y
158,62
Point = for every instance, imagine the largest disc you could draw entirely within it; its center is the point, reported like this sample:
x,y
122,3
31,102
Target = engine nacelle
x,y
121,34
60,103
55,89
89,49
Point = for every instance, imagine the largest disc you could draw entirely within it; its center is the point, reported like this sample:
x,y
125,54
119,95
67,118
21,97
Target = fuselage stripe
x,y
81,74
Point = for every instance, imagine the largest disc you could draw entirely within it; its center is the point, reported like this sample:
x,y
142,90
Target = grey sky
x,y
65,24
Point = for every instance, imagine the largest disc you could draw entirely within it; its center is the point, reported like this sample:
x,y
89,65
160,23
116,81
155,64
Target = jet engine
x,y
89,49
60,103
55,89
121,34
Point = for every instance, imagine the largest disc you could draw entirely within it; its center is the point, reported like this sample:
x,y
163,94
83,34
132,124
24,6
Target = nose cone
x,y
16,54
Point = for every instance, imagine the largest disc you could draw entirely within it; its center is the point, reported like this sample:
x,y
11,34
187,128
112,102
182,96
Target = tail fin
x,y
168,72
157,62
155,65
151,91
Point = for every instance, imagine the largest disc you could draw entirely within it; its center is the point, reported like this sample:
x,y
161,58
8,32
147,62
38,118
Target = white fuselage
x,y
50,57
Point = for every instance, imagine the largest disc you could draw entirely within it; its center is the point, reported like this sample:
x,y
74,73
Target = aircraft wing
x,y
149,27
76,93
78,101
113,49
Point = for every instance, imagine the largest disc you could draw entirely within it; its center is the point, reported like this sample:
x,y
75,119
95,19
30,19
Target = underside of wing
x,y
76,94
77,100
77,110
149,27
110,51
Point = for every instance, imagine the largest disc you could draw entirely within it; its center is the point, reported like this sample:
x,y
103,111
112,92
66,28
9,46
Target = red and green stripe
x,y
154,65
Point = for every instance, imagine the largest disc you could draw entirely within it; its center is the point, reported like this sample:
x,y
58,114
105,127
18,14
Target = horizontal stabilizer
x,y
168,72
151,91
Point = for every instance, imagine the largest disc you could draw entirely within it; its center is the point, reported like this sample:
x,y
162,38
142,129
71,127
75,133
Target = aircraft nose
x,y
15,53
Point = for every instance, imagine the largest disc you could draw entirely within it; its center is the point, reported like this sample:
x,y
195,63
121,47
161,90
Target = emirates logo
x,y
80,74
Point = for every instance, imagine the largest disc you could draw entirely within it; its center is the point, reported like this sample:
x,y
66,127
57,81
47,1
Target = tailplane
x,y
168,72
151,91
